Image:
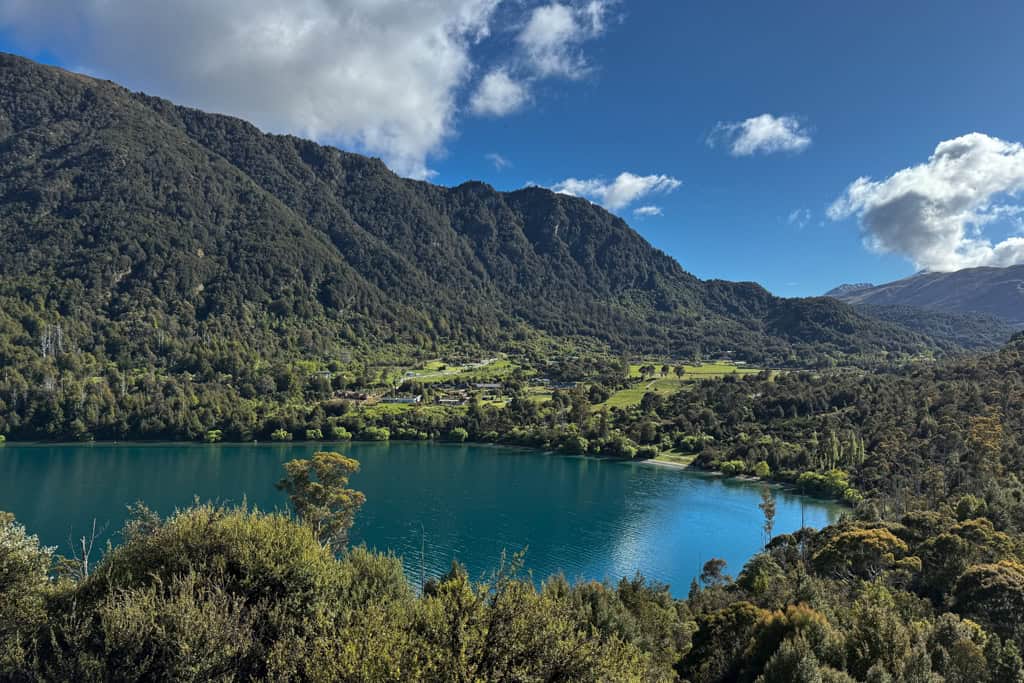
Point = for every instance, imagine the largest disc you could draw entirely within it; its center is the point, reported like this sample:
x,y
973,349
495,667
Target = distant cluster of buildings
x,y
403,400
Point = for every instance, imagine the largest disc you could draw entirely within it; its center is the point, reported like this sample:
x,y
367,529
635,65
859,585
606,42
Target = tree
x,y
993,595
767,506
858,551
793,662
713,573
24,579
318,490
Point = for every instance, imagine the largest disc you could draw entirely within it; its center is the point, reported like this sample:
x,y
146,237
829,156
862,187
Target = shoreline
x,y
669,464
788,487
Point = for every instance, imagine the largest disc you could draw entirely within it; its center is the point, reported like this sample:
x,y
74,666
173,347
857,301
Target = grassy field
x,y
702,371
438,371
538,394
685,459
670,383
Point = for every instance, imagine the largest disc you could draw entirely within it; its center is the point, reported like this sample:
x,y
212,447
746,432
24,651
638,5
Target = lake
x,y
585,517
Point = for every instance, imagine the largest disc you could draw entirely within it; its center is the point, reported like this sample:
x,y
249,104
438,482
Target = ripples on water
x,y
586,518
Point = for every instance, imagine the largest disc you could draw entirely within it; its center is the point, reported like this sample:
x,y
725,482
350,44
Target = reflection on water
x,y
586,518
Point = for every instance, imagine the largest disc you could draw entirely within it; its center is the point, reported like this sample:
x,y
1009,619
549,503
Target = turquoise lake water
x,y
587,518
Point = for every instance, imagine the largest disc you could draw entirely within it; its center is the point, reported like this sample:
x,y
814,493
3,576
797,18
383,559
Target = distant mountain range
x,y
997,292
846,290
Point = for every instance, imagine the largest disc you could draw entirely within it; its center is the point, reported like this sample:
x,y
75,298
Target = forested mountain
x,y
138,225
996,292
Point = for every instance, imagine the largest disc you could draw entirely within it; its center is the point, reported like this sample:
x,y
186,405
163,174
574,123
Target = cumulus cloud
x,y
380,76
763,134
548,44
553,34
799,218
500,162
935,213
619,193
498,94
647,211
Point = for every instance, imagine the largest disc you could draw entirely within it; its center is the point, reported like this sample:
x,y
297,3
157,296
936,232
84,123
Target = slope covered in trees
x,y
140,225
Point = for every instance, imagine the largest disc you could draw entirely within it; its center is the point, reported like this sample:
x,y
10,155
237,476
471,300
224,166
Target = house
x,y
405,400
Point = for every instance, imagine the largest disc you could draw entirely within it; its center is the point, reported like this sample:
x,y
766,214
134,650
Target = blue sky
x,y
590,90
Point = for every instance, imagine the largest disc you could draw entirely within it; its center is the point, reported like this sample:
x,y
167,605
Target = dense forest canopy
x,y
150,250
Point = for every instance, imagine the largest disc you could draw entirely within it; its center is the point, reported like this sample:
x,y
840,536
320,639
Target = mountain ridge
x,y
139,213
984,290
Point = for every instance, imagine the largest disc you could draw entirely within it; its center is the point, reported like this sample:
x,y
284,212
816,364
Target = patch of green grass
x,y
702,371
670,383
677,458
438,371
538,394
626,397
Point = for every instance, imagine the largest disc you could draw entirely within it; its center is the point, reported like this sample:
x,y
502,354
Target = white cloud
x,y
765,134
500,162
553,34
647,211
380,76
498,94
624,190
799,218
934,213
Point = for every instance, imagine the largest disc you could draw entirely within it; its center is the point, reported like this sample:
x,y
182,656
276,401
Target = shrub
x,y
619,447
314,435
458,434
213,436
341,434
575,444
646,453
834,484
372,433
731,468
281,435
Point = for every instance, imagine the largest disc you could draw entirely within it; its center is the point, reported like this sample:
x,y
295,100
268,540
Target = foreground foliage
x,y
235,594
212,593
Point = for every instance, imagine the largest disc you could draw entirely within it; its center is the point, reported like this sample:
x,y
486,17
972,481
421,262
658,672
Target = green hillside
x,y
148,247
